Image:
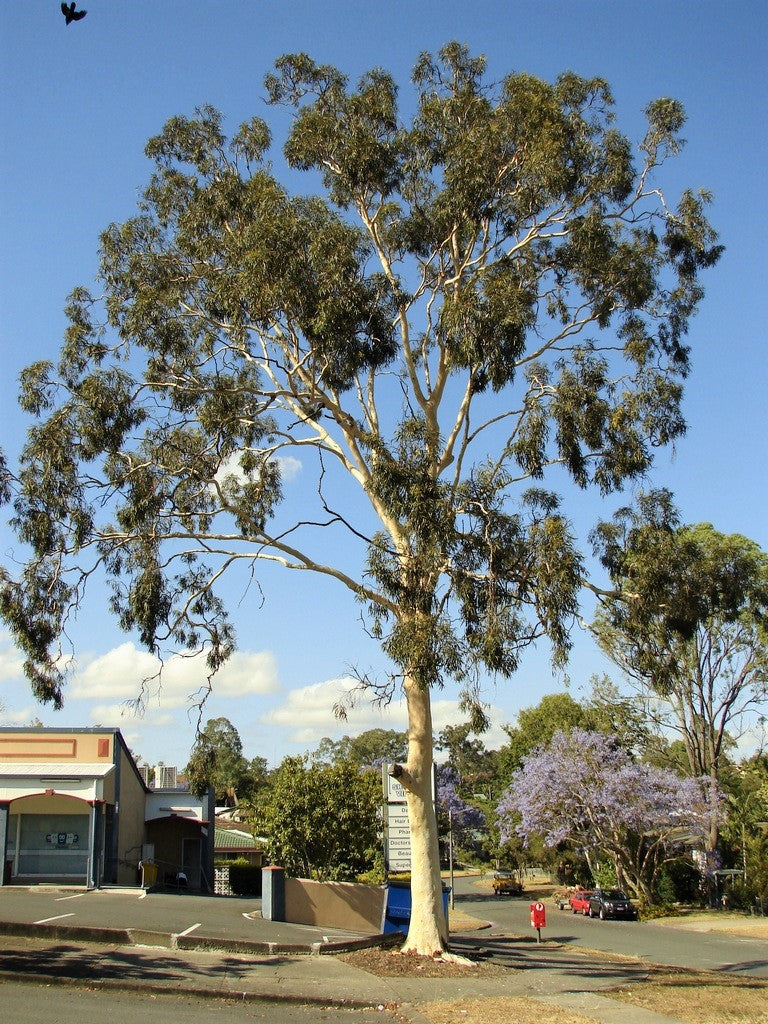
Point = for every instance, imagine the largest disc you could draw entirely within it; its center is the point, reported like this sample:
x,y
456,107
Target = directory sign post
x,y
397,830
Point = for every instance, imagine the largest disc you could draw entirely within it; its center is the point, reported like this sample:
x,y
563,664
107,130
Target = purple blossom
x,y
585,789
464,817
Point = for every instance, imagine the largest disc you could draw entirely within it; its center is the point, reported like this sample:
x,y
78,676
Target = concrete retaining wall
x,y
346,905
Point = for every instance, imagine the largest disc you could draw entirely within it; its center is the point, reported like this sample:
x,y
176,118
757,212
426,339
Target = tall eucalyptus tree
x,y
488,291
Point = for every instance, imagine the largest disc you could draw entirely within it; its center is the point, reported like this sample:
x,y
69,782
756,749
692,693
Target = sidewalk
x,y
555,977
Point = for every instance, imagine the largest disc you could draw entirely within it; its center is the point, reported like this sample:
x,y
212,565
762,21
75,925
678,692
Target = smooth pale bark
x,y
428,931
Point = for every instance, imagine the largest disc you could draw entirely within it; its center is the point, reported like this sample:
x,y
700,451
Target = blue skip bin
x,y
397,917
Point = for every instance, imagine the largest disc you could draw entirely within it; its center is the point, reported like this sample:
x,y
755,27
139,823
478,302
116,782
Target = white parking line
x,y
190,929
46,920
60,899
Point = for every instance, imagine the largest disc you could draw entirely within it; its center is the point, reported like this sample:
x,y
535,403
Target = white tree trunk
x,y
428,931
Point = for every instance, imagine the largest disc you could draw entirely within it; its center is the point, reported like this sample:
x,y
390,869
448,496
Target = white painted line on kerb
x,y
47,920
190,929
61,899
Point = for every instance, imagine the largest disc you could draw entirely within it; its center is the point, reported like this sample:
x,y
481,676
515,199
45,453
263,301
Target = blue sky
x,y
77,105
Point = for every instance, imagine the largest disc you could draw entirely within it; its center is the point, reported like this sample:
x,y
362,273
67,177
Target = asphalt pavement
x,y
221,947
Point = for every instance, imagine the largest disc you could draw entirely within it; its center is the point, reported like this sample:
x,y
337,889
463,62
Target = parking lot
x,y
219,917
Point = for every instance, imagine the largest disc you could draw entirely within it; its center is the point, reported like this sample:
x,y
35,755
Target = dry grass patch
x,y
723,922
502,1010
699,997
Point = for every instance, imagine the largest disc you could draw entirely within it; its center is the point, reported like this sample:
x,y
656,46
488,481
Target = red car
x,y
579,902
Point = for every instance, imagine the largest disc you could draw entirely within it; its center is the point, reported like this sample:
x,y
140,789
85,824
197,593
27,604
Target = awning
x,y
62,778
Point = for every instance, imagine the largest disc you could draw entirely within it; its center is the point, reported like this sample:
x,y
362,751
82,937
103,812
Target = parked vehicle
x,y
613,903
561,897
506,884
579,902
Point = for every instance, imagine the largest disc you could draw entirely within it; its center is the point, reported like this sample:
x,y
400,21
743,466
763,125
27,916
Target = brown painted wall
x,y
167,834
41,745
347,905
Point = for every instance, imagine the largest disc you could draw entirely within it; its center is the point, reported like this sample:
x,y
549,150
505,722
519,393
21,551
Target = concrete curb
x,y
115,936
140,937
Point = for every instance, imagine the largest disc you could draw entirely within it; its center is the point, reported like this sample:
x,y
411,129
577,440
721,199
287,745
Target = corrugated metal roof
x,y
230,839
54,770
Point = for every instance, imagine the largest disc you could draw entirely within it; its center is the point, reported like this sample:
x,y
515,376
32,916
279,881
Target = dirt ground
x,y
499,1011
690,996
696,997
719,921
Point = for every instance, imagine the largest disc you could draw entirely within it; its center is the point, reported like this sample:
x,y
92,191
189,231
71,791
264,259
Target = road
x,y
647,940
229,918
32,1004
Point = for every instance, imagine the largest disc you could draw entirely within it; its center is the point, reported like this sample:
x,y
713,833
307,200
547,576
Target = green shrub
x,y
245,879
605,877
678,882
666,891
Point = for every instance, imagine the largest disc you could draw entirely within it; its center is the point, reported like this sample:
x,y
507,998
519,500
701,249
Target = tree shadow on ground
x,y
93,966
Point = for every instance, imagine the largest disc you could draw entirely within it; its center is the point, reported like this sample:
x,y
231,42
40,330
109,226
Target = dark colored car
x,y
605,903
579,902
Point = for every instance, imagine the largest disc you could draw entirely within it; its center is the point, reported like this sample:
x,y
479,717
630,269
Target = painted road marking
x,y
60,899
47,919
190,929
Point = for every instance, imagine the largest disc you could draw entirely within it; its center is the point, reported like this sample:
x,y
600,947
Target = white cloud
x,y
308,715
11,659
308,712
290,467
120,674
23,717
112,715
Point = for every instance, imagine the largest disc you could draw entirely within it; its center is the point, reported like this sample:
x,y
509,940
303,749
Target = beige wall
x,y
131,829
347,905
50,805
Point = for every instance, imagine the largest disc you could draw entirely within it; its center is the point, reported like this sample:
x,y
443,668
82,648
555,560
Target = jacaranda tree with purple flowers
x,y
586,790
454,813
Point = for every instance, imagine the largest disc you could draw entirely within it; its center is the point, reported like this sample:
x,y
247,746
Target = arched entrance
x,y
50,838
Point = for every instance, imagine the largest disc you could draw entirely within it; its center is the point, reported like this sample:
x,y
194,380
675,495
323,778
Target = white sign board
x,y
397,830
395,794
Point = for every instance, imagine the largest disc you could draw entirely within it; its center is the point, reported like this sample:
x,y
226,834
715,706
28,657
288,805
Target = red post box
x,y
538,918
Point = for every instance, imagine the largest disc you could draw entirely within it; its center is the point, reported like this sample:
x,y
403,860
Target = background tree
x,y
605,710
217,760
473,767
690,629
745,829
492,289
322,820
457,819
584,789
370,749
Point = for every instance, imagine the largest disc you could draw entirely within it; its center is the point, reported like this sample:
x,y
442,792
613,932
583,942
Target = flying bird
x,y
69,12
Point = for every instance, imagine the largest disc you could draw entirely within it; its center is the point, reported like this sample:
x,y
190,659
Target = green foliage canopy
x,y
492,289
322,820
217,760
367,750
689,624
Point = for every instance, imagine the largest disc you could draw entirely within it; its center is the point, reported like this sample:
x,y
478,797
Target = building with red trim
x,y
75,809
